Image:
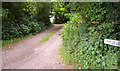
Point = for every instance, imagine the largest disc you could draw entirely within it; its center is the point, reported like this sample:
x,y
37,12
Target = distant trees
x,y
59,11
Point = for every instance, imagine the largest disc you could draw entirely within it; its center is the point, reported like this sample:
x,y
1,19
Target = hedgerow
x,y
83,36
23,18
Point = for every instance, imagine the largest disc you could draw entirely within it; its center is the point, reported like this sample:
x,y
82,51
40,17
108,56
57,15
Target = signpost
x,y
112,42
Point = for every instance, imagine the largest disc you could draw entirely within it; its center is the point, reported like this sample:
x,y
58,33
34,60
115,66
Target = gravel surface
x,y
31,54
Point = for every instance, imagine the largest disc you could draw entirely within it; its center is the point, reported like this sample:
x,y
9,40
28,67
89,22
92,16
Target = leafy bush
x,y
42,26
5,13
21,19
83,40
34,27
10,31
24,29
86,47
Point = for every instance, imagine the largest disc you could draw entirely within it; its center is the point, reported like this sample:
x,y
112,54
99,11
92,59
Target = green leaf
x,y
103,63
98,60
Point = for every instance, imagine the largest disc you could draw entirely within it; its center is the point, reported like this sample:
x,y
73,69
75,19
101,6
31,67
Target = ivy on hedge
x,y
84,41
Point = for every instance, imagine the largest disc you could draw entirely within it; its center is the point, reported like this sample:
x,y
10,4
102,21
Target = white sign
x,y
112,42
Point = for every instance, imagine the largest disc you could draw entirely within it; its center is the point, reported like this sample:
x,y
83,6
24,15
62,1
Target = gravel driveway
x,y
31,54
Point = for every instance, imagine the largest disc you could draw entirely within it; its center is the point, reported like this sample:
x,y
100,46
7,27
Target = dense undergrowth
x,y
83,36
21,19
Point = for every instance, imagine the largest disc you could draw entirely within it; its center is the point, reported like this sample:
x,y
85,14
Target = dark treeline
x,y
22,18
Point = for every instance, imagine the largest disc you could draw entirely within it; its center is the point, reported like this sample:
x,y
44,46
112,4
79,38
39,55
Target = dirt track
x,y
31,54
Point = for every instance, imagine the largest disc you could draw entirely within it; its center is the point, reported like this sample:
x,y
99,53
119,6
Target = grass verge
x,y
65,55
48,36
67,59
12,41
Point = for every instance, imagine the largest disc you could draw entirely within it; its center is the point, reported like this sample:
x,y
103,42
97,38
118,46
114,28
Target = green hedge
x,y
85,46
23,18
83,40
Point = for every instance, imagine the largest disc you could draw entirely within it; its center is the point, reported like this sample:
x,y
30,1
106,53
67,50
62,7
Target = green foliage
x,y
24,29
86,46
23,18
59,10
20,19
34,27
5,13
102,12
83,40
